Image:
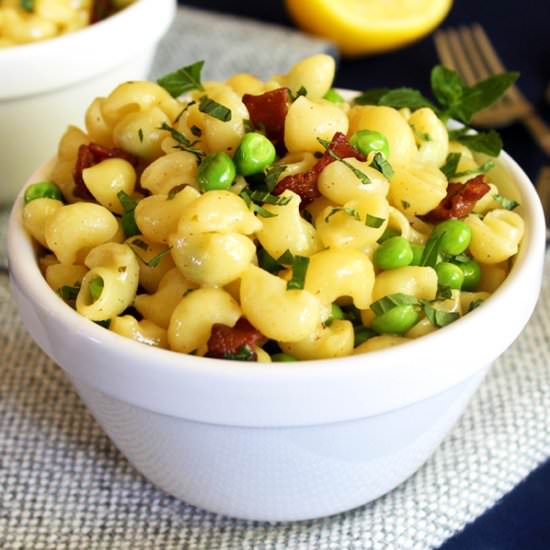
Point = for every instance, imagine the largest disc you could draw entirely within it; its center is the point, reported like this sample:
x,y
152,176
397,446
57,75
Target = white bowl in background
x,y
49,84
286,441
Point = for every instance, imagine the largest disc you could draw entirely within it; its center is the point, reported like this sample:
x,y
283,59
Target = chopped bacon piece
x,y
305,184
100,10
230,340
460,199
268,111
90,155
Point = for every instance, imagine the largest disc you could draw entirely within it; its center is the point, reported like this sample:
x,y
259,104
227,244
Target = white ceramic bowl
x,y
283,441
48,85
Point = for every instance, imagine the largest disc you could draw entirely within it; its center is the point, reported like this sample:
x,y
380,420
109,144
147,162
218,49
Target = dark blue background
x,y
520,31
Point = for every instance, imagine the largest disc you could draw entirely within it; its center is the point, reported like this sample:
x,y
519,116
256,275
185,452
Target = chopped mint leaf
x,y
183,80
214,109
299,270
506,203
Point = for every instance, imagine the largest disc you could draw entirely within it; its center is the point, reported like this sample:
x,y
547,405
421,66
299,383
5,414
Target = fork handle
x,y
539,130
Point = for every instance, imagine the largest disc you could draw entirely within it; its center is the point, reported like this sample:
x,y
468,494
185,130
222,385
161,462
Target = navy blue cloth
x,y
520,31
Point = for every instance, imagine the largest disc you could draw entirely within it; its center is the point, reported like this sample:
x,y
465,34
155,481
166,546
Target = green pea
x,y
472,274
95,287
254,153
333,96
393,253
368,141
283,358
449,275
418,252
216,172
43,190
397,320
456,236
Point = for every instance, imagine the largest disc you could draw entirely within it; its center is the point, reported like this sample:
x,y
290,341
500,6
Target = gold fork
x,y
543,188
469,51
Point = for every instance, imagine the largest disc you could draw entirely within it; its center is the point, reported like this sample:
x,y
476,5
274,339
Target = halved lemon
x,y
361,27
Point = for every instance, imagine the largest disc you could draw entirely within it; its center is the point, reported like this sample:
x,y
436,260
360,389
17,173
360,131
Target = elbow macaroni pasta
x,y
164,259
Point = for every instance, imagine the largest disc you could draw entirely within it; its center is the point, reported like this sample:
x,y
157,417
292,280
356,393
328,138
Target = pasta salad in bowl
x,y
312,280
55,58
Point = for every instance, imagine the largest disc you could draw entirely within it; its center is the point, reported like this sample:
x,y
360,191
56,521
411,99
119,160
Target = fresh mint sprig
x,y
454,99
183,80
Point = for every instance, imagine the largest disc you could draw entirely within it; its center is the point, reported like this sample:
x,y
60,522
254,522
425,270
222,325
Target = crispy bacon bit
x,y
460,199
268,111
90,155
101,9
305,184
226,340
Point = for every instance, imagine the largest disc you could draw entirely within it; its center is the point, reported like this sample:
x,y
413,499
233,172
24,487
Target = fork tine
x,y
543,188
452,54
491,57
443,49
475,56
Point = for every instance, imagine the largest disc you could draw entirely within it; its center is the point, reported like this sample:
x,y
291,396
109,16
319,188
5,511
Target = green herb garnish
x,y
299,269
393,300
155,260
258,196
439,318
267,262
485,167
358,173
451,164
272,176
286,258
474,304
489,143
374,221
506,203
184,143
423,136
214,109
454,99
380,163
255,203
244,353
128,219
431,251
183,80
349,211
300,92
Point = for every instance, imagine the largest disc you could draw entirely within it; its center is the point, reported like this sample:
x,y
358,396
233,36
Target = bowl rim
x,y
57,62
313,381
